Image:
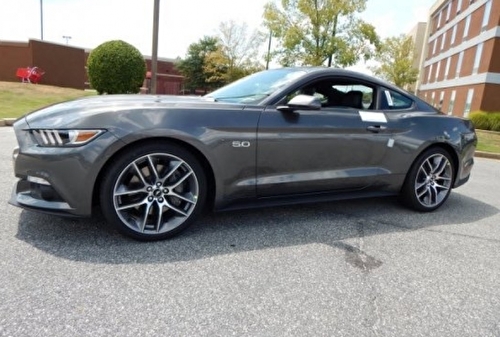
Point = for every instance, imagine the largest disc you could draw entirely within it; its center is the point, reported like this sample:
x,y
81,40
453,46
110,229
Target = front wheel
x,y
429,181
153,191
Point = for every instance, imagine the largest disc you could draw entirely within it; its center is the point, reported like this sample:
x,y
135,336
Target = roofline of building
x,y
86,50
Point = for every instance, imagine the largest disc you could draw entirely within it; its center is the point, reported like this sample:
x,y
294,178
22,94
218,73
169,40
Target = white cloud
x,y
385,24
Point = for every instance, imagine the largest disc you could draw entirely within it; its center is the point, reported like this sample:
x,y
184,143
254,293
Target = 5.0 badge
x,y
238,143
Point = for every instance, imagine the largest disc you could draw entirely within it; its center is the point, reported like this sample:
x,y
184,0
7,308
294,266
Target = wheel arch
x,y
445,146
204,162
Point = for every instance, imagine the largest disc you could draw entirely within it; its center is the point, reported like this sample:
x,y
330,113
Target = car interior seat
x,y
353,99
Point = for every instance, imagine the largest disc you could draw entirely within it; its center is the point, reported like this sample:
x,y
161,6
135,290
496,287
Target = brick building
x,y
168,80
64,65
461,71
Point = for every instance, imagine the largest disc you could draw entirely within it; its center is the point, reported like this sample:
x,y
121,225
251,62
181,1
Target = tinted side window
x,y
391,100
339,93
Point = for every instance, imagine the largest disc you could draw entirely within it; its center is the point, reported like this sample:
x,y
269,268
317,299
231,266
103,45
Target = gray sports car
x,y
153,163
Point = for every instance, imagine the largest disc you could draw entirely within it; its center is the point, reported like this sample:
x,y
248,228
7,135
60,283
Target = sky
x,y
89,23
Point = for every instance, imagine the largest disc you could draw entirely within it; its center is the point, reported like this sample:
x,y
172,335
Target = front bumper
x,y
58,180
39,198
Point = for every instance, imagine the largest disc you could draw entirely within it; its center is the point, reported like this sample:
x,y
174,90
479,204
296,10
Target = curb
x,y
7,121
490,155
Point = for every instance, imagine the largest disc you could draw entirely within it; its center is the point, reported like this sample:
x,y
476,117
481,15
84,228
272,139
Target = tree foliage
x,y
237,54
192,67
116,67
396,56
217,60
312,32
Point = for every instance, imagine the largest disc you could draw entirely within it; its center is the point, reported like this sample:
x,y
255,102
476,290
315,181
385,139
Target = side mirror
x,y
301,102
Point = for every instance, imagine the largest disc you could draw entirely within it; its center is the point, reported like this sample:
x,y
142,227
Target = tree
x,y
216,68
237,54
116,67
192,67
312,32
397,57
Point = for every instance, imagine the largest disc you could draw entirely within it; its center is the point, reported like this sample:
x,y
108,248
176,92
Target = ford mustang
x,y
152,163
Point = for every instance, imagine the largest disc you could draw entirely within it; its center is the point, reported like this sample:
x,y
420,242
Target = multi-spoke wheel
x,y
153,192
429,181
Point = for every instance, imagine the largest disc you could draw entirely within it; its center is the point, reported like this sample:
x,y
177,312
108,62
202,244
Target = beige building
x,y
461,68
418,36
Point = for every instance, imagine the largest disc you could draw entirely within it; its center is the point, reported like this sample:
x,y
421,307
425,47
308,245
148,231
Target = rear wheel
x,y
153,191
429,181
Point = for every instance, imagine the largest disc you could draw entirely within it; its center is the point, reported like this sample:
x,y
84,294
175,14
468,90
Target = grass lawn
x,y
488,141
17,99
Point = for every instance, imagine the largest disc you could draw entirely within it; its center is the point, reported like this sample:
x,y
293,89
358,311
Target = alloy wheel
x,y
433,180
155,193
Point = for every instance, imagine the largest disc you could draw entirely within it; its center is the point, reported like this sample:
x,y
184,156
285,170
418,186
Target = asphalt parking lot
x,y
354,268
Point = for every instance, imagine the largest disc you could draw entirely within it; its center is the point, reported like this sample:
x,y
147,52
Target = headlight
x,y
58,138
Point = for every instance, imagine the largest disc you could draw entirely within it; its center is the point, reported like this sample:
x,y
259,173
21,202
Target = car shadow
x,y
91,240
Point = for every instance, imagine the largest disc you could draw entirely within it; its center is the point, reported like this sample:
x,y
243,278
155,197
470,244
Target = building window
x,y
433,96
453,35
439,19
441,99
467,25
468,102
443,40
447,69
434,47
459,64
477,59
486,17
429,74
459,6
438,68
448,10
452,102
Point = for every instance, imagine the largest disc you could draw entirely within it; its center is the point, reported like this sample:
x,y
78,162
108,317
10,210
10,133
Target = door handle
x,y
376,128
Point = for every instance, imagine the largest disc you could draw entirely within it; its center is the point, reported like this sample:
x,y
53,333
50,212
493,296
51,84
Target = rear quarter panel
x,y
416,132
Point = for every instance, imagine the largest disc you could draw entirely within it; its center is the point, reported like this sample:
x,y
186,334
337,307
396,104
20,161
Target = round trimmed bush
x,y
116,67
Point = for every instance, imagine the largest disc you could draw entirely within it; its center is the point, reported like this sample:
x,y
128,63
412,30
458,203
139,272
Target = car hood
x,y
67,114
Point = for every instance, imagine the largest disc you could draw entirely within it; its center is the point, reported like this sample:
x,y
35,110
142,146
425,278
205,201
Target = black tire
x,y
429,181
153,191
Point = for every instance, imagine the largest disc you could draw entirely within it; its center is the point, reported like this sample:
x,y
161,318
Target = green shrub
x,y
116,67
480,120
495,122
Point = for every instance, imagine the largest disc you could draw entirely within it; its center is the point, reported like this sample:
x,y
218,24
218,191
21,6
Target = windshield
x,y
256,87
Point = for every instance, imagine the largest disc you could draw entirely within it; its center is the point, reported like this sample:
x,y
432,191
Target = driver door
x,y
335,148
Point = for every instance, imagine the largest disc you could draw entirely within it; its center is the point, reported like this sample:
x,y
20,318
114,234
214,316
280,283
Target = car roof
x,y
350,73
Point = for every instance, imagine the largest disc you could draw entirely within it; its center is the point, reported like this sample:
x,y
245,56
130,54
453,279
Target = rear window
x,y
392,100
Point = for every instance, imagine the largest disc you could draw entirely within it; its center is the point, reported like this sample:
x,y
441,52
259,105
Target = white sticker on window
x,y
375,117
